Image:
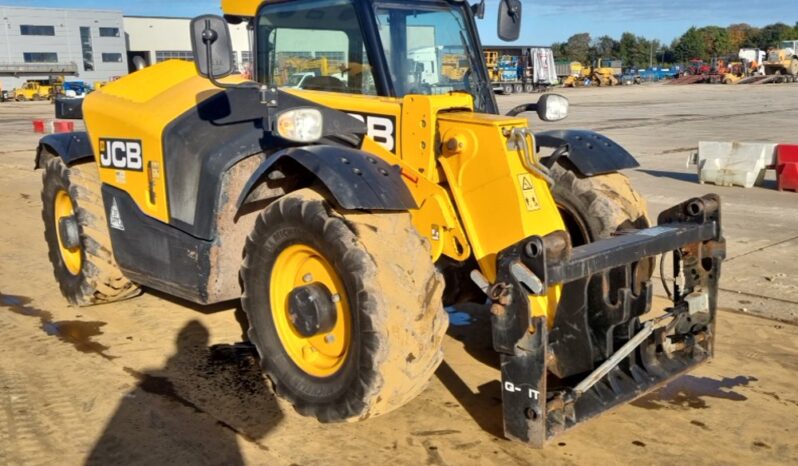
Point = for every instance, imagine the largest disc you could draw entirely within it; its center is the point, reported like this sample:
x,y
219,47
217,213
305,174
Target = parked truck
x,y
517,69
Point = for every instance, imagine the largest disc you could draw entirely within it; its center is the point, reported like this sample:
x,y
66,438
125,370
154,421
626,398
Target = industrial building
x,y
153,39
36,43
92,45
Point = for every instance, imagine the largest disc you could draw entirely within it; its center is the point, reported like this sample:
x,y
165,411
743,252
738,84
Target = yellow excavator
x,y
347,216
594,75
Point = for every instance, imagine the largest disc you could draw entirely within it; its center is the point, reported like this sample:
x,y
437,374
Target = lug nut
x,y
307,278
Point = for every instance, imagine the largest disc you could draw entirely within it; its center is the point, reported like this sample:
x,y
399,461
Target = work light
x,y
300,125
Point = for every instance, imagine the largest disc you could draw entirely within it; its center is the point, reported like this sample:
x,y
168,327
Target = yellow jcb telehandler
x,y
346,217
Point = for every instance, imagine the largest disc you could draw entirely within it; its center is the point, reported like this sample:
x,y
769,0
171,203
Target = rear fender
x,y
356,179
589,152
71,147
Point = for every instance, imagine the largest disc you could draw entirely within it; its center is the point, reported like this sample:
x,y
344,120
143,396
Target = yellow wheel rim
x,y
320,355
70,256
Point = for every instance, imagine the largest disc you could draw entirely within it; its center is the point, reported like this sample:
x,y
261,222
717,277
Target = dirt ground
x,y
154,380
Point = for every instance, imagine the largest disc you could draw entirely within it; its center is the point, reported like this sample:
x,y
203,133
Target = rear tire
x,y
86,274
793,71
391,295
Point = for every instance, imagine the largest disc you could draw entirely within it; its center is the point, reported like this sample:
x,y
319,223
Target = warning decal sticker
x,y
528,192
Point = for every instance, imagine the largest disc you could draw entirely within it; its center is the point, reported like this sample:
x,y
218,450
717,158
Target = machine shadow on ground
x,y
470,325
218,391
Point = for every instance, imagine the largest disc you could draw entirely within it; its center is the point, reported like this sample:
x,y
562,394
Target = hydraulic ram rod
x,y
615,359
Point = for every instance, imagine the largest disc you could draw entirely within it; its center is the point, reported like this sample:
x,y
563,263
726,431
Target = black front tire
x,y
597,207
395,305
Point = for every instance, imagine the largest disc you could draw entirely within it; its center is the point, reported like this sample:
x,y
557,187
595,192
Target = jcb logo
x,y
381,128
123,154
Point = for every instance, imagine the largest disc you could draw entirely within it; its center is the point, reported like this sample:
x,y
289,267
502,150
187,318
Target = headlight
x,y
300,125
552,107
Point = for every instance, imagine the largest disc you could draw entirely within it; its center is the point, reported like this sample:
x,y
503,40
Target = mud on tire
x,y
597,207
99,279
394,293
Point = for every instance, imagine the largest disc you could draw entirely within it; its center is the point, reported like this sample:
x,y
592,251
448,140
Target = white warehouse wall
x,y
66,41
153,34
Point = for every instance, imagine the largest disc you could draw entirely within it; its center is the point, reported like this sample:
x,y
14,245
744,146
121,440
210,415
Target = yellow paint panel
x,y
419,130
241,7
500,202
139,107
435,218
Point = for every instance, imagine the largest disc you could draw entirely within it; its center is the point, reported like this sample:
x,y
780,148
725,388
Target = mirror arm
x,y
512,9
267,96
209,37
521,109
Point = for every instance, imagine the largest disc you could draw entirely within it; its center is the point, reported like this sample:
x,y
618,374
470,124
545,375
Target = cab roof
x,y
249,8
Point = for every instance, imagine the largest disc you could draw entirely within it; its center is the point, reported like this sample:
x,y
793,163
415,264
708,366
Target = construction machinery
x,y
600,73
33,90
454,66
517,69
784,60
346,217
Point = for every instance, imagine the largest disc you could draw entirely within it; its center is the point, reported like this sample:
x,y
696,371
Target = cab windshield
x,y
322,45
429,49
789,44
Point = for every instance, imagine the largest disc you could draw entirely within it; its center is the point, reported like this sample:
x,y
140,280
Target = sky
x,y
544,22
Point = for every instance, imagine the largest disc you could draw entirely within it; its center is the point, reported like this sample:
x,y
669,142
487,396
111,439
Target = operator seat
x,y
324,83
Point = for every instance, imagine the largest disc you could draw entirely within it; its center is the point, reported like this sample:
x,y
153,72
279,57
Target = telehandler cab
x,y
347,213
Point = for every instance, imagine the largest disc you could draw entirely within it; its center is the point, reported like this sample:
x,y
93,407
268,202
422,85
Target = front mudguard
x,y
70,147
594,320
356,179
589,152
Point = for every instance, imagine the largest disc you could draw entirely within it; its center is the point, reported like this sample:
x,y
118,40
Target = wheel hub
x,y
66,226
68,232
311,309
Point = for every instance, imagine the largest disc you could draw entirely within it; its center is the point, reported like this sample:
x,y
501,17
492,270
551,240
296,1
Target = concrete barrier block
x,y
734,163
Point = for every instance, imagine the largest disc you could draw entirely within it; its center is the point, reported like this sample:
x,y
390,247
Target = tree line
x,y
703,43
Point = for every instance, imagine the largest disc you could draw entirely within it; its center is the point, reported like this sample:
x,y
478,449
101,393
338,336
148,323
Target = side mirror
x,y
550,107
509,27
212,46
